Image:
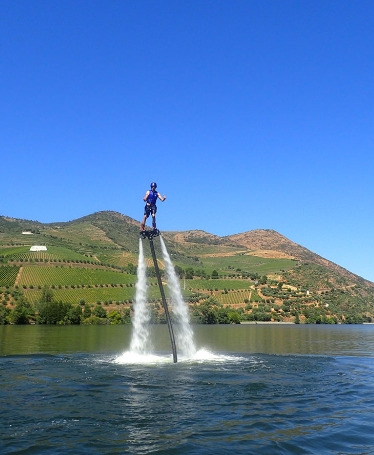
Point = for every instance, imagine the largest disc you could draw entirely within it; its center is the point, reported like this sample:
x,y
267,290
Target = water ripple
x,y
268,404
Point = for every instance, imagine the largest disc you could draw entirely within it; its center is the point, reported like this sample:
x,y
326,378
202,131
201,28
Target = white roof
x,y
38,248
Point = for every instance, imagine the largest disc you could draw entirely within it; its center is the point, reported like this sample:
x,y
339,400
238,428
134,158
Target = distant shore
x,y
267,322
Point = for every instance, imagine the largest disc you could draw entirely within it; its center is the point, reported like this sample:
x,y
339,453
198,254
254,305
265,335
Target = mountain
x,y
287,278
270,243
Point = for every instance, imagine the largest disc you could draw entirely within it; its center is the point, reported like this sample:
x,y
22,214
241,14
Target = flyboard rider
x,y
150,207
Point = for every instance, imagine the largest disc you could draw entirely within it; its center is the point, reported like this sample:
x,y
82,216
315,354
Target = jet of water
x,y
141,340
184,334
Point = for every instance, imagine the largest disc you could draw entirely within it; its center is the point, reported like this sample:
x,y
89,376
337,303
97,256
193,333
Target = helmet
x,y
153,185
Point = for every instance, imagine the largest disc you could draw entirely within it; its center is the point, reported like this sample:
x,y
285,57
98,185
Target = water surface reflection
x,y
357,340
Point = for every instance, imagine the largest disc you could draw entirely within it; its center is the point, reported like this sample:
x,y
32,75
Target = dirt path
x,y
18,276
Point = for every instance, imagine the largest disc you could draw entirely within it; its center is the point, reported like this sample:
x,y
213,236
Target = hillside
x,y
261,241
259,275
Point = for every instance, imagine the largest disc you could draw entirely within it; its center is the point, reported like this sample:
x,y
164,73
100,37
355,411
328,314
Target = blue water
x,y
219,403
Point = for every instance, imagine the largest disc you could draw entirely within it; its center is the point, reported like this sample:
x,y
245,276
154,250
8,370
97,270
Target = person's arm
x,y
162,198
146,196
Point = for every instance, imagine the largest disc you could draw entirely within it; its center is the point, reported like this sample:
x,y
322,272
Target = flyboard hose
x,y
164,303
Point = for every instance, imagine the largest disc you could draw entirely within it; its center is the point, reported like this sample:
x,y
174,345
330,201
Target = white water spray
x,y
141,341
183,330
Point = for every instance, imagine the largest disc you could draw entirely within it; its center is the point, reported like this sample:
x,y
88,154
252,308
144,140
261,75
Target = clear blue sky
x,y
248,114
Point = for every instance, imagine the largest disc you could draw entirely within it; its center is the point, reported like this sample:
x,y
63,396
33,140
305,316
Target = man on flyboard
x,y
150,208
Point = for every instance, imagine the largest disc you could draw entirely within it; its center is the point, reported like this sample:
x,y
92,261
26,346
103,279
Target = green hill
x,y
256,275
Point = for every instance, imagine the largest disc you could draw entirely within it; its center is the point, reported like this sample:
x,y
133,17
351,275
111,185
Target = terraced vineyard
x,y
67,276
93,259
54,253
88,295
218,285
247,263
119,258
8,275
95,294
234,298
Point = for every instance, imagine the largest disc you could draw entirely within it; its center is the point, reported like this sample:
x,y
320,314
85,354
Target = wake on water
x,y
200,356
141,343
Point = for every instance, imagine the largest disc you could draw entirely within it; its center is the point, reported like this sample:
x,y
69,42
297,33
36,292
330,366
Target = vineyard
x,y
54,253
89,295
104,293
8,275
233,298
67,276
248,263
94,259
119,258
218,285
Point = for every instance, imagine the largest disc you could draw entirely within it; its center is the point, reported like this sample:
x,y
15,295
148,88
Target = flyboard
x,y
150,234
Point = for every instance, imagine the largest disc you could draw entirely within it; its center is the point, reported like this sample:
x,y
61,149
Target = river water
x,y
249,389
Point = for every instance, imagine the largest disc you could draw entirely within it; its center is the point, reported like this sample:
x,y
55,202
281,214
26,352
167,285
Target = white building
x,y
38,248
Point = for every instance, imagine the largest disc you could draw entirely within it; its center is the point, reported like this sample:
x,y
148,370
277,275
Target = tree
x,y
188,273
53,312
4,313
208,311
179,271
222,316
50,311
22,312
201,273
99,312
74,315
47,295
151,272
131,269
234,317
115,317
353,319
126,316
215,275
86,312
263,279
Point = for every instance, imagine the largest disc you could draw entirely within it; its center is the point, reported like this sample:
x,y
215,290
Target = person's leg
x,y
146,215
142,226
154,210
